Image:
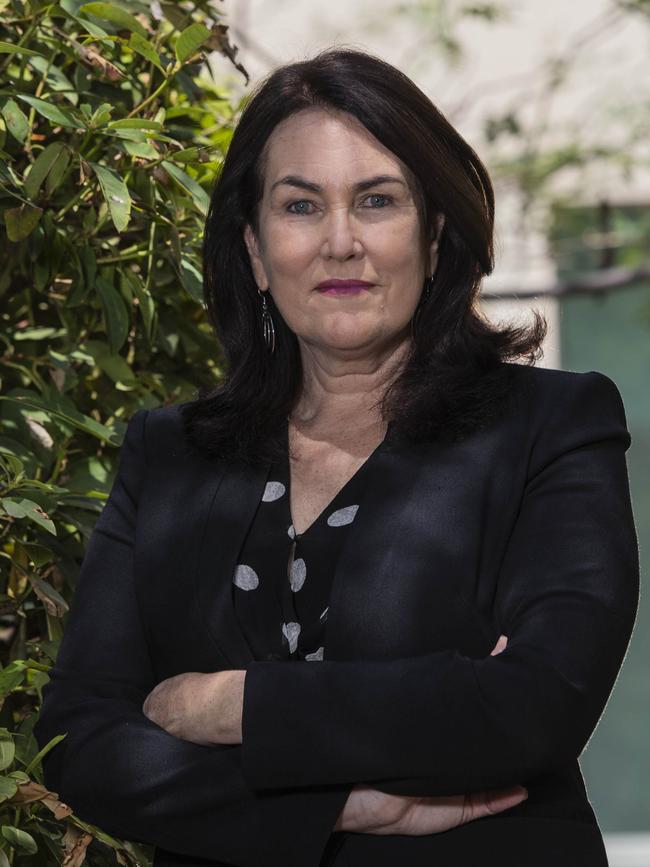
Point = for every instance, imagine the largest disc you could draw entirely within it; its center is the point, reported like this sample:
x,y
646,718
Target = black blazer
x,y
523,528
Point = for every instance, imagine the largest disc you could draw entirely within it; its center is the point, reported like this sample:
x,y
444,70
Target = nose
x,y
340,241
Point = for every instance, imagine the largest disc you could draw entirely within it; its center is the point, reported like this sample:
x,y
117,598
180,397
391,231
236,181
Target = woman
x,y
365,603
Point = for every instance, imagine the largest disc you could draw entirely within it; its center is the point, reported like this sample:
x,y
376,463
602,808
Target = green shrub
x,y
111,132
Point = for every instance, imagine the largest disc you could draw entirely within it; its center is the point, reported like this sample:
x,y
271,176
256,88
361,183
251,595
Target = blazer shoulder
x,y
565,410
549,389
164,434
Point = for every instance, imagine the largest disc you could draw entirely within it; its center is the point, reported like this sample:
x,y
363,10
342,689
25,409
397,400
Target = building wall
x,y
611,334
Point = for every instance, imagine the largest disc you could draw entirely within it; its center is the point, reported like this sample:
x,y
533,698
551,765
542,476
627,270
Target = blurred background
x,y
555,98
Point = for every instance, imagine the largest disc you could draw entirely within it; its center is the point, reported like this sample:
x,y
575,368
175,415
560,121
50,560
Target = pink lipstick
x,y
343,287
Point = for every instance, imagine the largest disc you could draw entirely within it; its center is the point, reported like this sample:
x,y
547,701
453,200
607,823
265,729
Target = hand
x,y
203,708
369,811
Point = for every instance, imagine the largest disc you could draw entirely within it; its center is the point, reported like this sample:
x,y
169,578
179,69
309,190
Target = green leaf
x,y
8,788
20,838
8,48
57,172
187,155
29,486
38,554
144,150
28,509
75,418
101,115
146,303
20,776
16,120
41,167
113,365
142,46
116,15
134,123
54,602
134,135
7,746
49,745
71,7
116,194
191,279
55,78
11,464
9,446
54,113
116,316
191,39
175,15
39,333
10,677
196,191
22,221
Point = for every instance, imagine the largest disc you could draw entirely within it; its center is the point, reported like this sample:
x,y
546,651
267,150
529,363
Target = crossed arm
x,y
119,770
449,723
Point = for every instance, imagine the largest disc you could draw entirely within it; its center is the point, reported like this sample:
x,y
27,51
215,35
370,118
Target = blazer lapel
x,y
231,512
362,576
399,584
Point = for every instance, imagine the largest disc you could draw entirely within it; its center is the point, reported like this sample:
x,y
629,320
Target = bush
x,y
111,131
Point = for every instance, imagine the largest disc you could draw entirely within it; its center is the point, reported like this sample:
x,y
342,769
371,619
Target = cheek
x,y
398,261
402,240
290,249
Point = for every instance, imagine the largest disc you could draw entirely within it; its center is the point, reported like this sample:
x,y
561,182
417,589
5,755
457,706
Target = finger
x,y
500,645
498,800
488,803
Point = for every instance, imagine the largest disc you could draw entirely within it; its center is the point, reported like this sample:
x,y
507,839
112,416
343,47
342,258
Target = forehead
x,y
328,147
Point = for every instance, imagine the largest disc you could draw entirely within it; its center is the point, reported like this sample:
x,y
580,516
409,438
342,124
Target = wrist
x,y
229,686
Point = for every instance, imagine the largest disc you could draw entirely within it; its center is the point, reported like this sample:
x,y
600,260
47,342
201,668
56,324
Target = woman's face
x,y
317,223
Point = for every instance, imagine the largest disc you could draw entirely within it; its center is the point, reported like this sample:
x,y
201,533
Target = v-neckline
x,y
341,490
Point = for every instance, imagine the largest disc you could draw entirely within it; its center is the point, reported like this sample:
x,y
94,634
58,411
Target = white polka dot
x,y
315,656
298,574
291,631
273,491
245,577
291,533
342,516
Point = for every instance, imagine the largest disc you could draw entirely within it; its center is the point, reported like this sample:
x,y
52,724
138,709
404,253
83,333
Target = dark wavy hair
x,y
455,378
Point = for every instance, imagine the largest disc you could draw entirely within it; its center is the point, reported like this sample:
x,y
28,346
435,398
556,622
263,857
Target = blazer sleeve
x,y
566,597
122,772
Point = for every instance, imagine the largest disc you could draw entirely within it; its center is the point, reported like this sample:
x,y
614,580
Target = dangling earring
x,y
428,283
267,324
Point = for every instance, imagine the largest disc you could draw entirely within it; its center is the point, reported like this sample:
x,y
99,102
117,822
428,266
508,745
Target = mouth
x,y
343,287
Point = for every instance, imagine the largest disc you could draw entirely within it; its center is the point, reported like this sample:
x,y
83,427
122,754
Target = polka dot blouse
x,y
282,580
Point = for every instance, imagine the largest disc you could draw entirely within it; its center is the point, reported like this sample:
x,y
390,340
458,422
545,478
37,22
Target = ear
x,y
433,248
253,247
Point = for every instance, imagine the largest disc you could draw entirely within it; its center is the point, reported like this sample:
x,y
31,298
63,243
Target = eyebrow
x,y
296,181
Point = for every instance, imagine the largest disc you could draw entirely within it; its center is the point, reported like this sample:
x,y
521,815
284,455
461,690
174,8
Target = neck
x,y
346,391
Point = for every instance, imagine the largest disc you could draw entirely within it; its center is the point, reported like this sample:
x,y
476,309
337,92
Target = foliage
x,y
534,154
610,236
111,132
438,22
